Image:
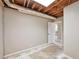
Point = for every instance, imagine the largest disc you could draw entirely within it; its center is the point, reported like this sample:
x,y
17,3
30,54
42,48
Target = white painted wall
x,y
71,30
23,31
1,41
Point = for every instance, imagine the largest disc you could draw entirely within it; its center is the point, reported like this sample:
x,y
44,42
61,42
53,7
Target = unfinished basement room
x,y
39,29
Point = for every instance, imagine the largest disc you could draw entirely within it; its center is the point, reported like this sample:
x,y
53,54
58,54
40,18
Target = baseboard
x,y
28,50
63,55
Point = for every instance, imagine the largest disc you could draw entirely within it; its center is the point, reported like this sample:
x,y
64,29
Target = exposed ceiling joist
x,y
1,3
28,3
25,2
55,9
40,8
34,5
50,7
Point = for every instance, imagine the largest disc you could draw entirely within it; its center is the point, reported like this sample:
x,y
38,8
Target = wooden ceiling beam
x,y
40,8
59,11
49,8
69,2
13,1
59,7
1,3
33,6
28,3
55,9
19,2
25,2
59,14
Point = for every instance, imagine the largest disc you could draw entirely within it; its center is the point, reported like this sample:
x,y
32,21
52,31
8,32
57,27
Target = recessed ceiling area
x,y
45,3
55,9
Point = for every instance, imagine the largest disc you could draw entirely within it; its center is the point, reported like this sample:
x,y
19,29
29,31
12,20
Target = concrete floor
x,y
48,53
51,52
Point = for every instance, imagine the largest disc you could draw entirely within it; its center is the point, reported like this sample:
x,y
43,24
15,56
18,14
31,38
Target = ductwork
x,y
28,11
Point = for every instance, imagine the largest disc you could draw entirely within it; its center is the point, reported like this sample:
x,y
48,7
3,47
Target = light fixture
x,y
46,3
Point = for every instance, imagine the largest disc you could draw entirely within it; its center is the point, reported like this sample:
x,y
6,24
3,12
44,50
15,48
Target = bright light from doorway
x,y
46,3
